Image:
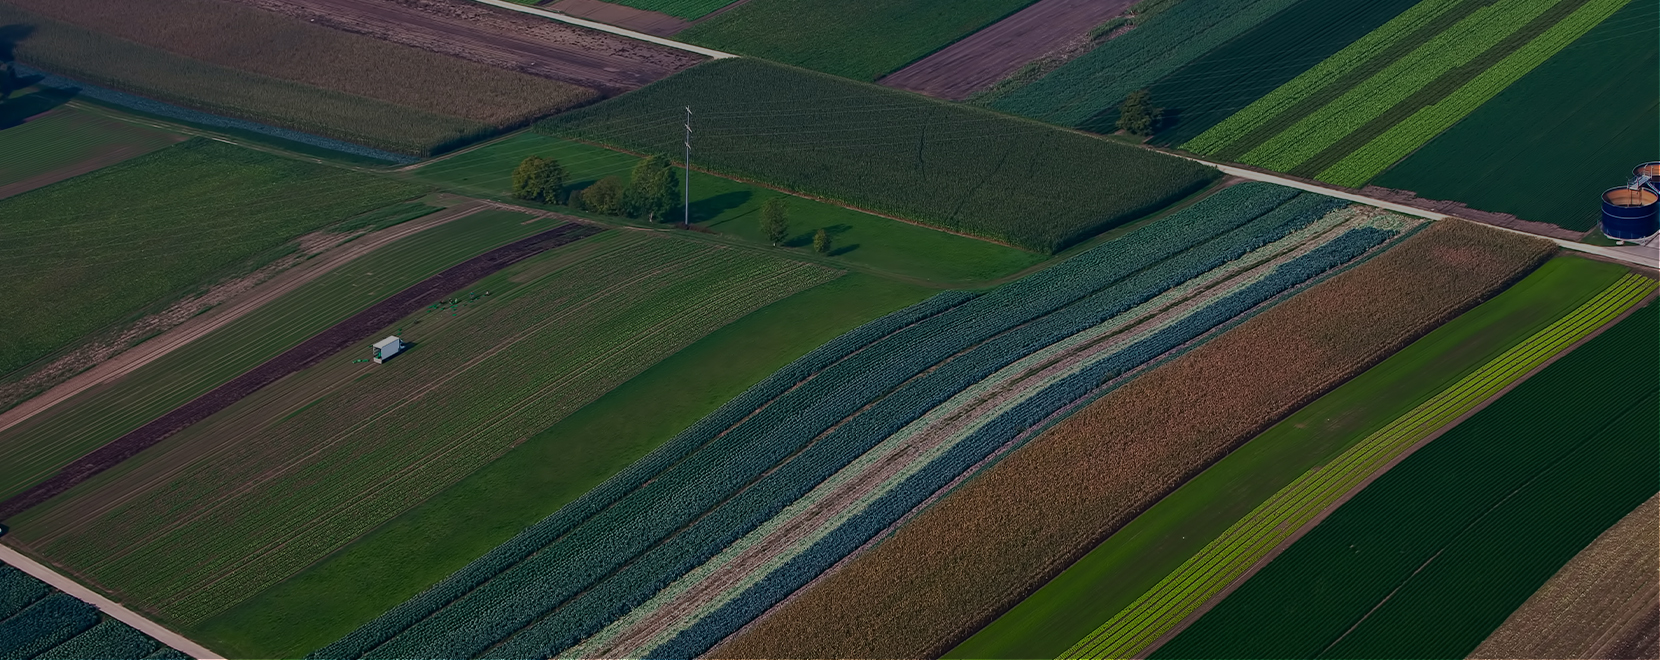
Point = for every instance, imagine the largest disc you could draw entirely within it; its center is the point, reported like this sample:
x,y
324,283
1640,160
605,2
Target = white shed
x,y
387,348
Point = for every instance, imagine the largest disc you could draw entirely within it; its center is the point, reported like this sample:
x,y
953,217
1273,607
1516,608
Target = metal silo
x,y
1651,170
1630,214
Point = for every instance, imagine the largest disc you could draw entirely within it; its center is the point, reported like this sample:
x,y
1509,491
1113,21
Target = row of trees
x,y
652,192
775,225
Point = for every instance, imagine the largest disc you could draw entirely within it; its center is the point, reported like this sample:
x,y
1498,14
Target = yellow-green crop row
x,y
1130,632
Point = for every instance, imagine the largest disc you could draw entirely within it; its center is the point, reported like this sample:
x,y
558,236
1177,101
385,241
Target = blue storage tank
x,y
1630,215
1651,170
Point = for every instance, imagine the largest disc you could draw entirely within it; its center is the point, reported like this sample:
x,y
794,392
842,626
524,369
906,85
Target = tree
x,y
775,221
1138,115
821,241
538,179
653,189
605,197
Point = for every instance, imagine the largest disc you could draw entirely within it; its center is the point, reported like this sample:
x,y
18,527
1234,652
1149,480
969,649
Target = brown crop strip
x,y
308,353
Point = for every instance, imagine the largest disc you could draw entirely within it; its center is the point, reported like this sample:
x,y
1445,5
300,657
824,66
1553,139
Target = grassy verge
x,y
551,468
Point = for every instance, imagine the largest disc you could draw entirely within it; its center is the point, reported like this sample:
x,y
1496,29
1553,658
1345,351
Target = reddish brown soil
x,y
343,335
639,20
989,55
477,32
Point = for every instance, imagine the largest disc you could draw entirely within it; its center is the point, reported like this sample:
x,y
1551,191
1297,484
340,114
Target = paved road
x,y
110,607
594,25
1641,255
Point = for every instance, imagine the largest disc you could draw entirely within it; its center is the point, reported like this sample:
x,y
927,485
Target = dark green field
x,y
82,254
54,146
956,167
859,39
1545,148
1430,558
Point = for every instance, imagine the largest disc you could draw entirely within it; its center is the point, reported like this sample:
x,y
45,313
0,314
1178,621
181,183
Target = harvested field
x,y
499,38
240,489
620,15
349,332
65,143
987,56
978,551
1600,605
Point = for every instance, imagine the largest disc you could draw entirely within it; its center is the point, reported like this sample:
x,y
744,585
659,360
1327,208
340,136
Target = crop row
x,y
1098,80
1360,165
637,520
1319,78
1450,49
1249,540
37,621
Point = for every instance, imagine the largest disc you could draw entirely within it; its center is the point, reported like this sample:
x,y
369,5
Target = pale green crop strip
x,y
1241,123
1242,545
1401,139
1456,46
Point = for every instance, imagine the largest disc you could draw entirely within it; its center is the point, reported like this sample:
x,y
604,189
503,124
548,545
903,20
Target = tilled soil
x,y
500,38
343,335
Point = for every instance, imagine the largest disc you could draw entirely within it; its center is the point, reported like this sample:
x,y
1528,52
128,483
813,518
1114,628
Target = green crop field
x,y
1431,558
64,143
733,207
687,9
543,338
83,254
1156,543
1547,147
956,167
859,39
550,469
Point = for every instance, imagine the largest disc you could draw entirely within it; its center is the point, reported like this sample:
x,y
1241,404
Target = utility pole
x,y
687,200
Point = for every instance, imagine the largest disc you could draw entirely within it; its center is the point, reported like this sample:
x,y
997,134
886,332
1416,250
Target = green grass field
x,y
1132,561
687,9
947,165
859,39
63,142
1547,147
1430,558
732,207
553,467
89,252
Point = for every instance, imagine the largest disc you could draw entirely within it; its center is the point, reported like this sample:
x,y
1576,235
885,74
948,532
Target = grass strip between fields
x,y
1225,559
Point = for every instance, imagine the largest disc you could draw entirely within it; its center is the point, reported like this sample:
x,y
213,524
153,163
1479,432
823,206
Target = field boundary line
x,y
602,27
115,610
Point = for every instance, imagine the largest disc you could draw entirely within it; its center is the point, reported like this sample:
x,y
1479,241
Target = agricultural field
x,y
858,39
625,576
191,213
41,623
511,355
1003,534
1356,113
1152,547
1430,558
732,207
958,168
1589,106
687,9
43,143
1602,604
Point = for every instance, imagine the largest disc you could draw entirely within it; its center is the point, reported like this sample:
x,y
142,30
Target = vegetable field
x,y
803,468
859,39
1004,533
954,167
1431,558
100,248
1546,147
66,143
486,370
39,622
1128,564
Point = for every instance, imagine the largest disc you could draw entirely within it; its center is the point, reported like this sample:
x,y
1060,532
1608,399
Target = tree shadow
x,y
844,250
10,35
709,208
806,239
14,110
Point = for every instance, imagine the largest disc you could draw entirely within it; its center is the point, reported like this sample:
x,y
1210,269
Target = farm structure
x,y
1438,551
865,146
847,440
1150,548
999,536
38,622
386,348
557,331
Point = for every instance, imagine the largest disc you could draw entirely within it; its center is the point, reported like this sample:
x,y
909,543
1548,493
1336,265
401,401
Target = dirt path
x,y
149,351
41,572
987,56
706,52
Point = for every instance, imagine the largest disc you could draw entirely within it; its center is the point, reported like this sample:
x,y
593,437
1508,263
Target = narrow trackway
x,y
45,574
1642,255
149,351
602,27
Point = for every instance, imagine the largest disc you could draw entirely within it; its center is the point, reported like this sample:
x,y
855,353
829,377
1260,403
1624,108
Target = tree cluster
x,y
1138,116
652,192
